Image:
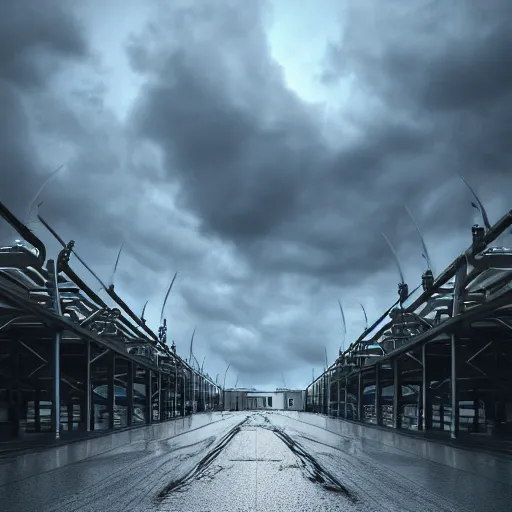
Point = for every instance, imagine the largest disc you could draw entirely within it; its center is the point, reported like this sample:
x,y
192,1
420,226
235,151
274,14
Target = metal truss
x,y
446,343
48,312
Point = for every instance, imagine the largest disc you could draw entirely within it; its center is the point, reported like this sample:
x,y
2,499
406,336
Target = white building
x,y
279,400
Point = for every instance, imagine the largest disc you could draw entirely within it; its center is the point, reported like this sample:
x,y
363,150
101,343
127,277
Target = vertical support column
x,y
130,377
328,394
111,370
346,397
397,383
454,415
161,397
193,391
460,276
70,410
56,386
175,402
53,289
476,408
87,386
203,387
14,395
338,379
183,396
149,393
360,395
37,408
378,407
425,391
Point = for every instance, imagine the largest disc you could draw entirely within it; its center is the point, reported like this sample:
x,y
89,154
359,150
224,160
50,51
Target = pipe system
x,y
24,232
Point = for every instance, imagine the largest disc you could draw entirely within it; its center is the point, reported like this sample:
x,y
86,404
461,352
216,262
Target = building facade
x,y
248,400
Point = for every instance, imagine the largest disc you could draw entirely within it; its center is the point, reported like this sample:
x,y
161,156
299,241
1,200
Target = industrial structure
x,y
440,358
69,363
245,399
437,360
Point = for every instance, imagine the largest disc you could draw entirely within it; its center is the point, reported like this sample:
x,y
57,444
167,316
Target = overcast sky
x,y
259,149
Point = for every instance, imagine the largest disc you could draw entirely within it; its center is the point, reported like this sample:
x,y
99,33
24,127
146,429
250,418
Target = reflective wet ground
x,y
256,462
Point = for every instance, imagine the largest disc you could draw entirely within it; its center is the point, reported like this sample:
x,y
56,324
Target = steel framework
x,y
69,363
440,361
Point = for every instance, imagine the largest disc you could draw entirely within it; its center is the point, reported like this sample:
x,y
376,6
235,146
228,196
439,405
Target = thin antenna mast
x,y
425,250
344,327
395,258
166,297
480,206
116,264
365,317
40,191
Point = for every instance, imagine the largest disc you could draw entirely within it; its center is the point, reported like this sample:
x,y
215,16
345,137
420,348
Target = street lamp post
x,y
224,387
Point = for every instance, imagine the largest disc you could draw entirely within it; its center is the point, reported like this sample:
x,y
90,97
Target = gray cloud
x,y
266,180
34,38
224,174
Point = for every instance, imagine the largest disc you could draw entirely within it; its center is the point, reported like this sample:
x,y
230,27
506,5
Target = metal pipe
x,y
91,317
56,386
338,398
109,290
184,395
425,390
175,388
346,397
88,386
99,356
160,397
491,235
15,319
360,389
33,352
24,232
36,370
460,276
479,352
378,409
397,385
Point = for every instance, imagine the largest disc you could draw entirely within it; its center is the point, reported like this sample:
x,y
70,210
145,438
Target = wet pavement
x,y
256,462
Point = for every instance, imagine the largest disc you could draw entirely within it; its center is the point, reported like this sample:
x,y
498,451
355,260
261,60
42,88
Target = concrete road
x,y
256,462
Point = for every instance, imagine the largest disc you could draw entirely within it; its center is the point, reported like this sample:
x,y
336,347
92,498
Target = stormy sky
x,y
259,149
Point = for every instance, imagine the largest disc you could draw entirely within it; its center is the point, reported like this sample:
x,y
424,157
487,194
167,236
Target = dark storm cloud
x,y
448,65
40,42
32,33
34,38
265,177
230,163
263,216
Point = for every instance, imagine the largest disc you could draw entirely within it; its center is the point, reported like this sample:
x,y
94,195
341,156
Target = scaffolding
x,y
70,364
439,359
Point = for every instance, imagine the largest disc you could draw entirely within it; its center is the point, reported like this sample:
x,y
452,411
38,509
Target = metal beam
x,y
378,408
129,392
444,328
397,392
338,397
53,291
65,323
111,370
360,390
161,397
346,397
149,400
88,386
460,277
425,391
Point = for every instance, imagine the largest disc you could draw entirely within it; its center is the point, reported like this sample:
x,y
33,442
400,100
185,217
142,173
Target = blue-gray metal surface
x,y
258,462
